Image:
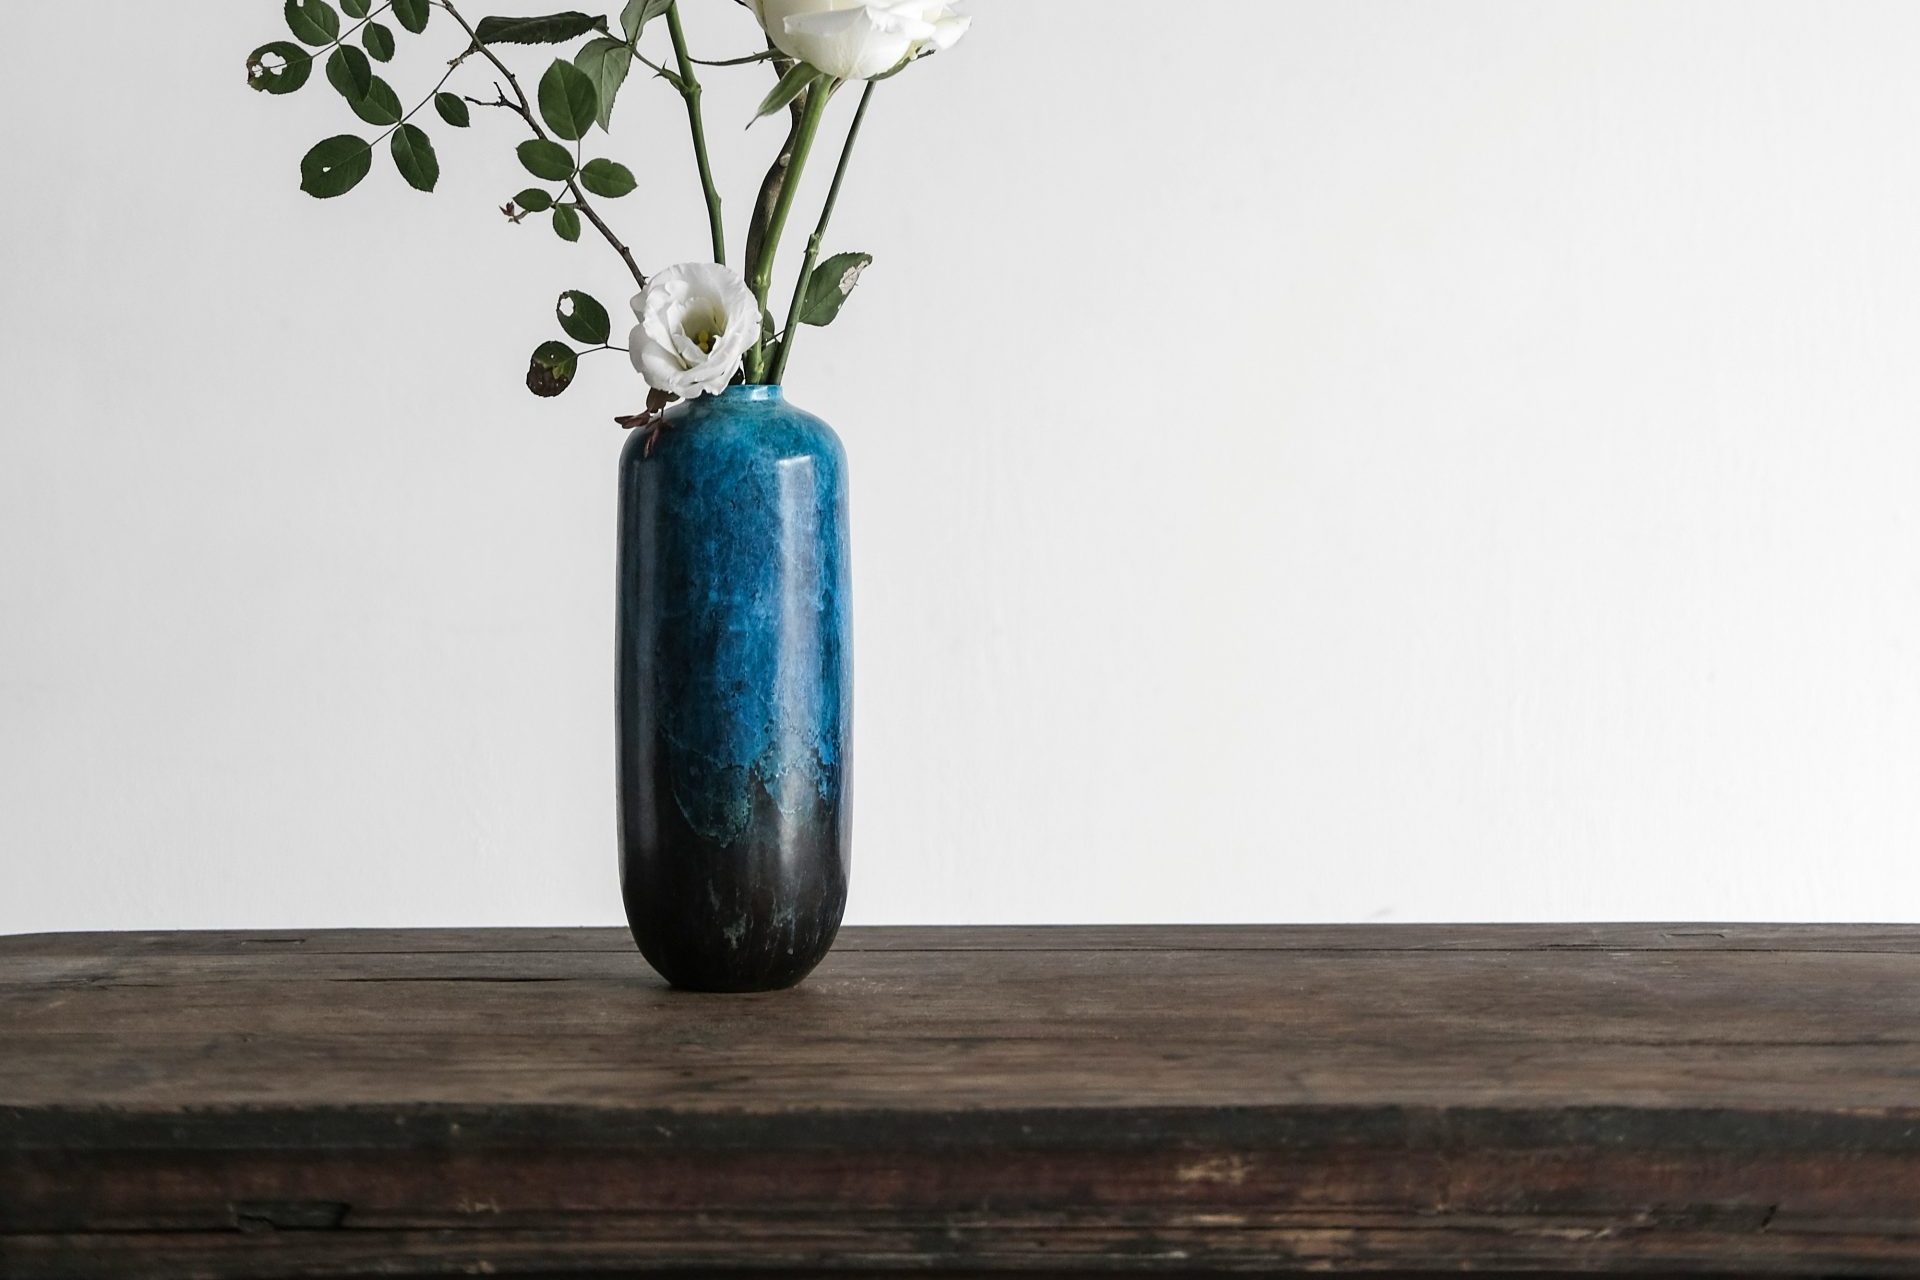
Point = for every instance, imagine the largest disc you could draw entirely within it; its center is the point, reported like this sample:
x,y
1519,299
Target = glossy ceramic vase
x,y
734,689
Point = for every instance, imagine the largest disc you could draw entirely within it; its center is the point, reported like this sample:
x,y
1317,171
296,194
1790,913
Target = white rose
x,y
860,39
696,322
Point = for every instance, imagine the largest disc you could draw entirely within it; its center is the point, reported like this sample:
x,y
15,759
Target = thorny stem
x,y
801,287
519,106
777,220
690,90
764,55
651,65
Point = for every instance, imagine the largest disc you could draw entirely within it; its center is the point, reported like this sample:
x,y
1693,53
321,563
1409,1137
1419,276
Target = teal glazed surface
x,y
734,691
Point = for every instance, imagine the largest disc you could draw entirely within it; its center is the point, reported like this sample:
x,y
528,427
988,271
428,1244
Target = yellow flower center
x,y
703,325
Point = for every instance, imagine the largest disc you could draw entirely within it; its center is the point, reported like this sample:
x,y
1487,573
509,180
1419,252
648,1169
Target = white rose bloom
x,y
696,322
860,39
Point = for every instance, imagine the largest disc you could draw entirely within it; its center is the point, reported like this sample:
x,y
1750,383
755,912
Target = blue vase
x,y
734,688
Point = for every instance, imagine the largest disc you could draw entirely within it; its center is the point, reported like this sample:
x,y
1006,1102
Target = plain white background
x,y
1311,461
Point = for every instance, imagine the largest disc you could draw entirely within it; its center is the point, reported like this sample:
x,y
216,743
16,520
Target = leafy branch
x,y
336,165
572,96
519,105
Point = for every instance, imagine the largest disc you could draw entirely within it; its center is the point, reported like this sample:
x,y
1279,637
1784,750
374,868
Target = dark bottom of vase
x,y
764,949
724,984
753,913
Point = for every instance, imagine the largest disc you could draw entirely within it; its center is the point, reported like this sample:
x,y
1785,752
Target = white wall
x,y
1312,461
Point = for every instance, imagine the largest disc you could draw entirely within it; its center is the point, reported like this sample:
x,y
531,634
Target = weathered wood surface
x,y
1658,1099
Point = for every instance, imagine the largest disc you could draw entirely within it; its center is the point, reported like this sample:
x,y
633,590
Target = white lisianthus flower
x,y
697,321
860,39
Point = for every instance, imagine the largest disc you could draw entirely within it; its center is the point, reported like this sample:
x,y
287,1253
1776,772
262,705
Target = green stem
x,y
777,221
813,241
690,90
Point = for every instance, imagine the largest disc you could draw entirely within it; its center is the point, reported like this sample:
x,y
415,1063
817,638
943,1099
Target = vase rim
x,y
752,391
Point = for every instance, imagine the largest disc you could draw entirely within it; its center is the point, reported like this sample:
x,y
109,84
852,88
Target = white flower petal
x,y
859,39
850,44
702,296
660,370
947,30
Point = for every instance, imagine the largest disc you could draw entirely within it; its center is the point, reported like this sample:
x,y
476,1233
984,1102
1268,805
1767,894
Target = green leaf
x,y
412,14
349,71
280,66
545,159
568,101
312,21
638,13
335,166
452,108
379,42
607,178
381,105
566,222
829,286
584,319
552,368
551,28
413,156
606,62
357,8
534,200
791,85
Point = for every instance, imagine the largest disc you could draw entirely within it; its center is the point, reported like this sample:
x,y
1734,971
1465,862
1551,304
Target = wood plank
x,y
1647,1098
1652,936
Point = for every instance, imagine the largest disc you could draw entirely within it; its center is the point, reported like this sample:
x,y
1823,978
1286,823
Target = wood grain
x,y
1655,1099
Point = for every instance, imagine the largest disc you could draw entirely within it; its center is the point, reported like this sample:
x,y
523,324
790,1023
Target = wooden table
x,y
1735,1100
